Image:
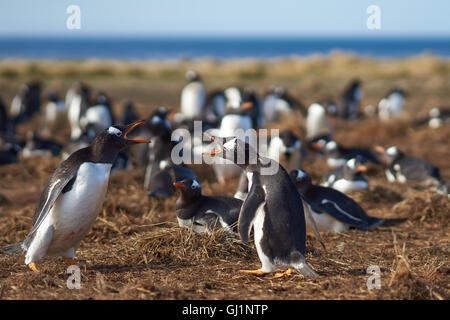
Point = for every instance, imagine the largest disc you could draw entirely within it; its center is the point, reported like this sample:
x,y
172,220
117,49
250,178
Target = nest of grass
x,y
181,246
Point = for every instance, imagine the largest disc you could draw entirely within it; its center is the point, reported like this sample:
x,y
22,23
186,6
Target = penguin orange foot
x,y
258,272
69,261
33,266
287,273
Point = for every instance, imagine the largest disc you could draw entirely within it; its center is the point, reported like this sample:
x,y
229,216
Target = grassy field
x,y
136,250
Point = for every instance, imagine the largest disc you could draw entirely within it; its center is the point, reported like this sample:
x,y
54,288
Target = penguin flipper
x,y
14,248
254,199
332,208
63,176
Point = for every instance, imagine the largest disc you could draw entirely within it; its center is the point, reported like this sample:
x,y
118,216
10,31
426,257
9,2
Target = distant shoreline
x,y
161,48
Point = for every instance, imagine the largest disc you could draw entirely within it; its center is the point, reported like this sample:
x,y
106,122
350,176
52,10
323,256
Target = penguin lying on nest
x,y
273,208
333,210
203,213
72,198
347,178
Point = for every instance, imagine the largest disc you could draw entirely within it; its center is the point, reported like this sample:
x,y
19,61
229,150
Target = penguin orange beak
x,y
178,184
134,125
380,149
247,105
362,168
316,146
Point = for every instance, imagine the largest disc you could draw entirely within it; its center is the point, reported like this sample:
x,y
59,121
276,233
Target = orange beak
x,y
247,105
213,152
316,146
380,149
178,184
362,168
131,129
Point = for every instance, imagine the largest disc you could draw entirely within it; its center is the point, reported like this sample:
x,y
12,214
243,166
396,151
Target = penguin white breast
x,y
335,162
99,115
193,98
231,122
344,185
75,211
326,222
317,121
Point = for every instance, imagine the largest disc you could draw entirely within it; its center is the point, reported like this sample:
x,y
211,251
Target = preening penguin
x,y
273,208
333,210
73,197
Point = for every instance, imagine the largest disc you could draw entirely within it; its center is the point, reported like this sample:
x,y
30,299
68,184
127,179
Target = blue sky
x,y
225,17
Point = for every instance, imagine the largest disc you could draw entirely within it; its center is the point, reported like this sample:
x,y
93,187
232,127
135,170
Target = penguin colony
x,y
275,209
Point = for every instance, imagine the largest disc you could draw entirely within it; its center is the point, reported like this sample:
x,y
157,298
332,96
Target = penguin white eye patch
x,y
195,184
112,130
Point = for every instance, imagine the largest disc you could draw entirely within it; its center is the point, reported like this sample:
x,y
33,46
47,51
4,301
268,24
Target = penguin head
x,y
355,165
235,150
192,76
290,143
390,154
190,188
116,136
301,179
158,123
331,147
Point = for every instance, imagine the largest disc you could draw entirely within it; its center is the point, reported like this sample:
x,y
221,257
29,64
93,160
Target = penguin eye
x,y
118,134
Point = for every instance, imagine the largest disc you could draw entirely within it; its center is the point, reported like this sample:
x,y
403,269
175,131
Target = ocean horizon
x,y
141,48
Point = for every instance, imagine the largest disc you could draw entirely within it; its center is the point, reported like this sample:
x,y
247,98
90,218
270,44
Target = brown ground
x,y
136,251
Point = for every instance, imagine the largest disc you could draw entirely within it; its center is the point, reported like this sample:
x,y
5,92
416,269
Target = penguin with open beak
x,y
203,213
73,197
273,208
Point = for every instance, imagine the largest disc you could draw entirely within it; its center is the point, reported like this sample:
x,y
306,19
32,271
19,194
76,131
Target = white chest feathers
x,y
75,211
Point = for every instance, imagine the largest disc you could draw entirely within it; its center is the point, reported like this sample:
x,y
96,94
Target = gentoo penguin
x,y
319,119
236,119
278,103
77,101
350,101
6,124
203,213
391,106
215,106
129,114
72,198
26,102
9,153
193,97
333,210
273,207
53,113
38,146
157,181
438,117
286,149
98,116
256,114
402,168
337,155
347,178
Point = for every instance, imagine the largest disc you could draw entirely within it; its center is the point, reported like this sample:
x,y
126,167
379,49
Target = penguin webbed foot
x,y
286,273
257,272
33,266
